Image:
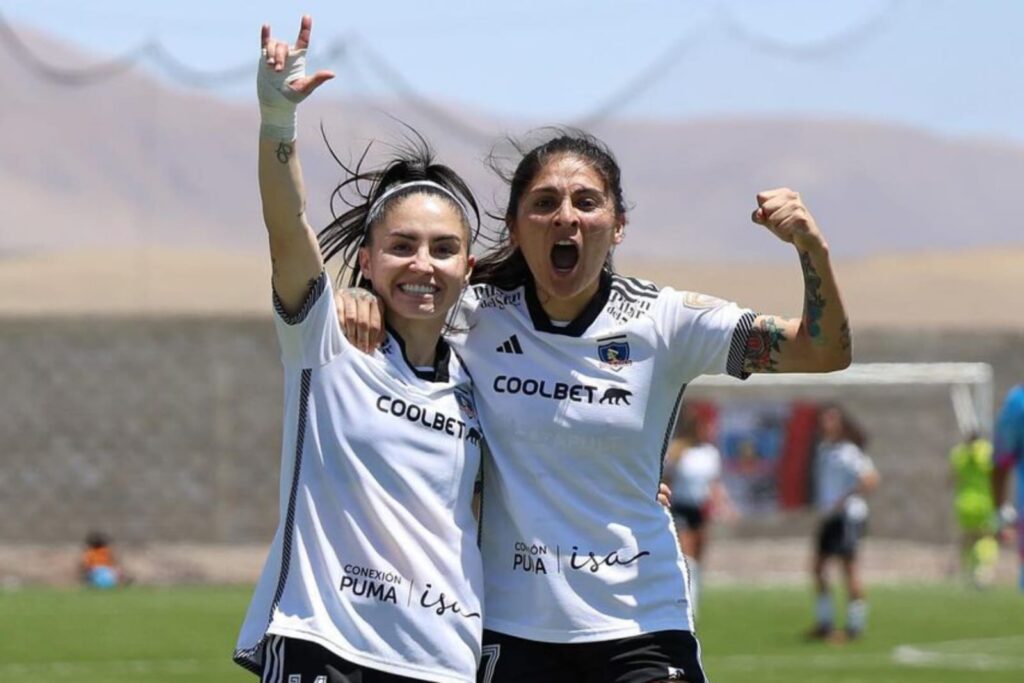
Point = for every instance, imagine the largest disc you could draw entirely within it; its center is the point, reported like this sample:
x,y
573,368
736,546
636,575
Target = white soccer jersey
x,y
694,472
838,468
376,555
576,547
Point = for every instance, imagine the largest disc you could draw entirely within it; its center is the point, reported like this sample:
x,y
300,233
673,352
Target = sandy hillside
x,y
940,290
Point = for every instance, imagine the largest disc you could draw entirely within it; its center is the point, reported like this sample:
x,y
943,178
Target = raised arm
x,y
281,84
819,340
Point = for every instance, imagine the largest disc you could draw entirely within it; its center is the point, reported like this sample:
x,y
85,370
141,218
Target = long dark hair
x,y
504,265
852,429
413,160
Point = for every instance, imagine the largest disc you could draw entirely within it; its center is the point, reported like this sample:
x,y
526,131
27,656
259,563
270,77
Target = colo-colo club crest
x,y
614,352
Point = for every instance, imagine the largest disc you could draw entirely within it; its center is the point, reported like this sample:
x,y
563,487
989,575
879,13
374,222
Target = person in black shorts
x,y
843,476
693,471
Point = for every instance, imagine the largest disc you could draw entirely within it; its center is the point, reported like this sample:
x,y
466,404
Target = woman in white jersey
x,y
693,470
579,373
843,476
374,574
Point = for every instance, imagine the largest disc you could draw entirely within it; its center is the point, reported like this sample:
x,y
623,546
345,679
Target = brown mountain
x,y
131,196
130,162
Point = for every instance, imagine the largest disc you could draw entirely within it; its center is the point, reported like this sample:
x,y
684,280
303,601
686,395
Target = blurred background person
x,y
1010,455
843,475
98,567
970,464
693,471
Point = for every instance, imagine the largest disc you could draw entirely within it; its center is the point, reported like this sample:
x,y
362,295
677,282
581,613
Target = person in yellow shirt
x,y
971,473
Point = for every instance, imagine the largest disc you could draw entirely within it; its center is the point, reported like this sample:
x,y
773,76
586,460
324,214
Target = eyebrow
x,y
554,190
412,236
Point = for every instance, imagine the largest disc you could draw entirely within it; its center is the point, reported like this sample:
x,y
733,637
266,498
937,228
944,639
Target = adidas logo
x,y
510,345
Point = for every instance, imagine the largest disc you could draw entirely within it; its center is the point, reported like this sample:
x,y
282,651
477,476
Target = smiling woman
x,y
374,573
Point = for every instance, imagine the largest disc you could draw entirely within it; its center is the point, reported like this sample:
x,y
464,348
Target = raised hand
x,y
782,211
278,56
281,83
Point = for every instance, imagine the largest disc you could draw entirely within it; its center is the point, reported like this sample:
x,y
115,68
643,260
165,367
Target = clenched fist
x,y
783,212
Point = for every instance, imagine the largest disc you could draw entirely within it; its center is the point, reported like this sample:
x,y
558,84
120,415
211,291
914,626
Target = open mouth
x,y
565,255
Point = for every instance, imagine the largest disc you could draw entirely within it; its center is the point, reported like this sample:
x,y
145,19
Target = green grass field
x,y
937,634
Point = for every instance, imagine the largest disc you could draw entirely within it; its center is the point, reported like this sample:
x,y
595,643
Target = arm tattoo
x,y
845,340
285,150
763,346
813,301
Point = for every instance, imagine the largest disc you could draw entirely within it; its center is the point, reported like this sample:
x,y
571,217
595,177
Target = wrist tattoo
x,y
285,150
764,346
814,303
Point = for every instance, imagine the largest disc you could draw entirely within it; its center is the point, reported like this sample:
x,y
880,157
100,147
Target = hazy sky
x,y
954,67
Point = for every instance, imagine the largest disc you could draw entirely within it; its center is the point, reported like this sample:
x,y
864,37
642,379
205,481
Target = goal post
x,y
912,414
970,385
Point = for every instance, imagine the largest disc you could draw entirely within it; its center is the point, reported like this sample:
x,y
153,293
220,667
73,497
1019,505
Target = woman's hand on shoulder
x,y
359,314
664,495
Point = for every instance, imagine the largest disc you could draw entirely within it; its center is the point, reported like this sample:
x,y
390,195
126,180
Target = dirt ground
x,y
730,561
941,290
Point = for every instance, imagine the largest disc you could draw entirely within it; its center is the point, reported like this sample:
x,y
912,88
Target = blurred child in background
x,y
98,567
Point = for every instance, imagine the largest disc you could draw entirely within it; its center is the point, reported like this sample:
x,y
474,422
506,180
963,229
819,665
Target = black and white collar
x,y
579,325
442,357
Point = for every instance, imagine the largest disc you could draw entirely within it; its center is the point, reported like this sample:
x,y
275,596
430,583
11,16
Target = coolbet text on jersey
x,y
366,561
577,417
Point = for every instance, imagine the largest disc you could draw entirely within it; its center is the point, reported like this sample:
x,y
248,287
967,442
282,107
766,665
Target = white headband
x,y
378,206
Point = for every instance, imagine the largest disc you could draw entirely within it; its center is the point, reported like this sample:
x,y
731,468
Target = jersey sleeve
x,y
862,463
311,336
704,335
1009,437
716,457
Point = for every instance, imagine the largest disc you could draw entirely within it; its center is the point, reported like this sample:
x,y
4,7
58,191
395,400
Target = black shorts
x,y
690,517
647,658
290,660
838,535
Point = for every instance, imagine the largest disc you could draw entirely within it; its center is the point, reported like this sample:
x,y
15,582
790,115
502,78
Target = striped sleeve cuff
x,y
316,288
738,345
